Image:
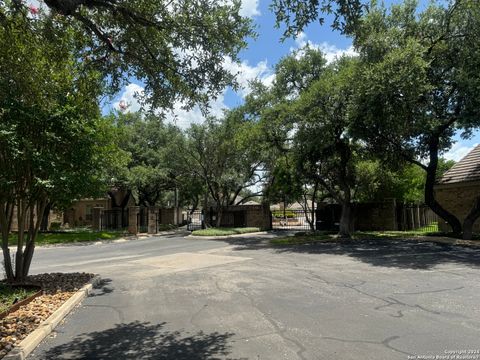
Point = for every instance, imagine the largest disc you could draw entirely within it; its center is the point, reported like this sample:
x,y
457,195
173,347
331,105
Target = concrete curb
x,y
226,236
449,241
101,242
29,344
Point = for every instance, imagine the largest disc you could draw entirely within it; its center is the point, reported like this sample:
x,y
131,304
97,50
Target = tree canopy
x,y
54,145
175,48
418,84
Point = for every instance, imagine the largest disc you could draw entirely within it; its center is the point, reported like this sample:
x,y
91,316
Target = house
x,y
458,188
80,212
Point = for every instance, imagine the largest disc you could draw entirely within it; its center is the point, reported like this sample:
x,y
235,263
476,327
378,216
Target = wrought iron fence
x,y
142,220
115,219
417,217
194,220
291,220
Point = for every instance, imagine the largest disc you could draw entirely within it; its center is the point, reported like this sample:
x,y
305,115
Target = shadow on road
x,y
141,340
409,254
102,287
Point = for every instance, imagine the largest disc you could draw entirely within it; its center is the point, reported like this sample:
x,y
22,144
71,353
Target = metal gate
x,y
417,217
291,220
194,220
115,219
142,220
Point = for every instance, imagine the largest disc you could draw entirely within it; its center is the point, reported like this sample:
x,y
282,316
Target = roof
x,y
466,170
251,202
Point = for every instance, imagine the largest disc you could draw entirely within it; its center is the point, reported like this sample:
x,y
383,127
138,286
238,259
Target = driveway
x,y
175,298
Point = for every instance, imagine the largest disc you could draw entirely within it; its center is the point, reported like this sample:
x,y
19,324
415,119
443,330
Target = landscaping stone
x,y
57,288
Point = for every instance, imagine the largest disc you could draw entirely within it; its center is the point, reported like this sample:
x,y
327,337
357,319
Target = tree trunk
x,y
7,263
6,211
46,214
21,214
314,199
470,220
219,215
430,200
346,220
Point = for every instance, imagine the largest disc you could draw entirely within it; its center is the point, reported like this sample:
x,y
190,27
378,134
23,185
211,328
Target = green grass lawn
x,y
303,239
166,227
8,295
71,237
224,231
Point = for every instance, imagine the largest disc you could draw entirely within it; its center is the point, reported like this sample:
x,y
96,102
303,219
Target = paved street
x,y
175,298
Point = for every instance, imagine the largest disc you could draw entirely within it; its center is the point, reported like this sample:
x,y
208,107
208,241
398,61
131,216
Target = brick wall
x,y
246,216
80,213
54,216
376,216
458,199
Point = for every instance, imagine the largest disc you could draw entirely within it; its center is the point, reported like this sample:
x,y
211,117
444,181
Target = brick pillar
x,y
152,220
97,213
132,219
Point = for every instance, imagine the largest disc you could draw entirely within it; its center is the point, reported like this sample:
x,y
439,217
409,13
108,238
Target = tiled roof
x,y
467,169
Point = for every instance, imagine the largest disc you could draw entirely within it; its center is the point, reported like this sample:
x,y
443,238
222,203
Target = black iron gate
x,y
416,217
290,219
142,220
115,219
194,220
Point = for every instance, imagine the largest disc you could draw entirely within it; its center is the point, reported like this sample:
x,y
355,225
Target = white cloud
x,y
330,51
246,73
301,39
184,118
248,8
458,152
130,97
178,115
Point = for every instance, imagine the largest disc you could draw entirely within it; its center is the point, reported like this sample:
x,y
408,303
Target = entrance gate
x,y
291,220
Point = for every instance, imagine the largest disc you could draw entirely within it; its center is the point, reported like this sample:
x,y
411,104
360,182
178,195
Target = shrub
x,y
288,213
55,226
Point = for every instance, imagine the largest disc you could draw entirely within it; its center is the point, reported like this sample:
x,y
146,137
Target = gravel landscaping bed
x,y
57,288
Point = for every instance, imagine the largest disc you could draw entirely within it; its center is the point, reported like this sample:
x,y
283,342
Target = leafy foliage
x,y
150,173
54,145
418,84
225,155
175,48
296,15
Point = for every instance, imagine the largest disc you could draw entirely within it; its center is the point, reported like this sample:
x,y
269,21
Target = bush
x,y
288,213
55,226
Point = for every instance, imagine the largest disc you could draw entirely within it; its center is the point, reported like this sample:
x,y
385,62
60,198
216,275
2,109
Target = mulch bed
x,y
57,288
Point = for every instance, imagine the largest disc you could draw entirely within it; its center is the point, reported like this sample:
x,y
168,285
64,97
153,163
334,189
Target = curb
x,y
450,241
27,345
101,242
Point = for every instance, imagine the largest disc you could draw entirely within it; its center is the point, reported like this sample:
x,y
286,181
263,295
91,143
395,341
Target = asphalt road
x,y
175,298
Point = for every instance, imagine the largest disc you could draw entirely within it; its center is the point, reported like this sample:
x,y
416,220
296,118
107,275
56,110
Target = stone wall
x,y
54,217
80,213
458,199
376,216
246,216
170,216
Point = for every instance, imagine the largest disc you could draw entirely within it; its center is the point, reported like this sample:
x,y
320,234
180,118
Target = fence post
x,y
97,213
152,220
132,219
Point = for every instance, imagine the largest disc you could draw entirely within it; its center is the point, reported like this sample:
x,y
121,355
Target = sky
x,y
258,61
